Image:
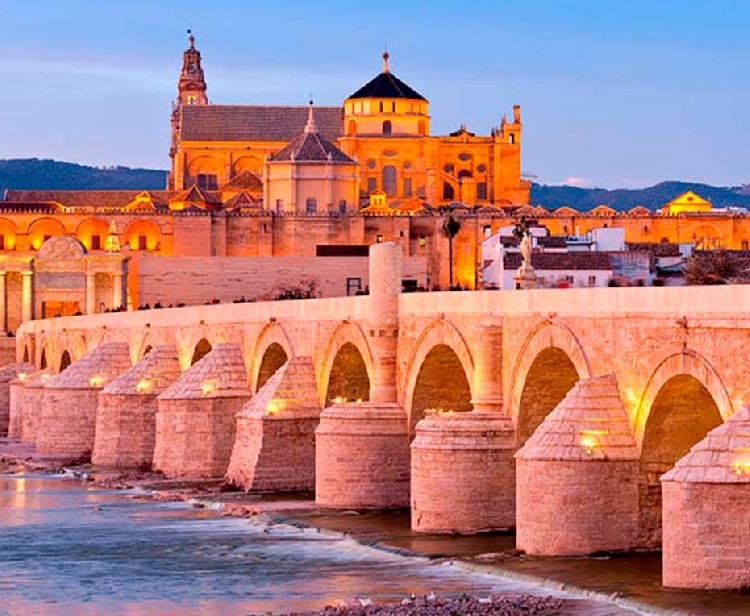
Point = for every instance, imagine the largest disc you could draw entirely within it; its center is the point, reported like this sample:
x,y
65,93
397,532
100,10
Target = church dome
x,y
387,85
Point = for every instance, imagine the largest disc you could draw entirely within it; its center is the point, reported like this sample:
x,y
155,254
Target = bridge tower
x,y
362,449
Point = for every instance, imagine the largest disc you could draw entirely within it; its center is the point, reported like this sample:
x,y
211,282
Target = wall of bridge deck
x,y
632,332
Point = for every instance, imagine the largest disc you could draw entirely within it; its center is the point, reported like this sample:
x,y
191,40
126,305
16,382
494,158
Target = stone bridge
x,y
557,412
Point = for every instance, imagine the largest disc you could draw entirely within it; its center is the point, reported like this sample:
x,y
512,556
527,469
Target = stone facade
x,y
7,374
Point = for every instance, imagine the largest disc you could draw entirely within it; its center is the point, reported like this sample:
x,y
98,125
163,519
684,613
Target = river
x,y
66,550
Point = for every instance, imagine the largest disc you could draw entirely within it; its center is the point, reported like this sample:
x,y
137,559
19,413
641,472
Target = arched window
x,y
351,128
387,127
311,205
390,180
342,206
448,192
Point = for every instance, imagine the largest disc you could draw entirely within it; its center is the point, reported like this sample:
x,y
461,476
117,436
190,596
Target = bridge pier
x,y
7,374
274,450
195,420
362,450
67,424
577,476
126,413
705,514
26,395
463,473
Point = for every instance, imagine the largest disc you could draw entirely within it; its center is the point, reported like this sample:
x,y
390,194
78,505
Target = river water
x,y
65,550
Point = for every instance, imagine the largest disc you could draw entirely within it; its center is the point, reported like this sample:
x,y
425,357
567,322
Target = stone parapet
x,y
67,424
274,450
706,511
463,473
195,419
577,476
362,457
7,374
126,412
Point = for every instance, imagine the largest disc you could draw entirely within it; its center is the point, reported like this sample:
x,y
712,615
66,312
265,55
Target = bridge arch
x,y
550,361
347,365
683,401
440,348
65,360
202,348
272,345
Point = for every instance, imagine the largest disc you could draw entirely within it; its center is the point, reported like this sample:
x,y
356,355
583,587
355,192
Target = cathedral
x,y
377,142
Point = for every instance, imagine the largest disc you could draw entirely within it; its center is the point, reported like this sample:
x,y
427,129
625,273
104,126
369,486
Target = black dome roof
x,y
387,85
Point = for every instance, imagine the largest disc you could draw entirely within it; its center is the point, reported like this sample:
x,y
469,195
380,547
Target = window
x,y
393,107
372,185
387,127
512,138
279,206
407,187
379,239
207,181
96,242
487,230
401,234
482,190
142,242
191,99
592,281
265,227
422,241
342,206
353,285
381,107
389,180
2,242
311,205
448,192
745,245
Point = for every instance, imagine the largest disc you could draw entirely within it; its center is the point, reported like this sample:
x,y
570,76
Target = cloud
x,y
579,182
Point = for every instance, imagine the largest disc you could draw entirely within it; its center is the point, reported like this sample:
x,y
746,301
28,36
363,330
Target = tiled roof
x,y
196,195
94,370
561,261
243,200
11,371
387,85
86,198
255,122
659,250
311,147
245,180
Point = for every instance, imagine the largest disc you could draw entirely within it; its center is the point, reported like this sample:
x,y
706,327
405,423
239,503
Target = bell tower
x,y
191,90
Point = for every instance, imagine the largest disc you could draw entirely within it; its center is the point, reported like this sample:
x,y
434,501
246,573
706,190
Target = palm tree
x,y
451,227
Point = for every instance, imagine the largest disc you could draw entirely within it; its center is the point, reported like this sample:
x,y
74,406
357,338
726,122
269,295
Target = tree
x,y
711,267
451,227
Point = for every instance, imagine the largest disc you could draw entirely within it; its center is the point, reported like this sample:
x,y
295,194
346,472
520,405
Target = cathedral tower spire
x,y
191,88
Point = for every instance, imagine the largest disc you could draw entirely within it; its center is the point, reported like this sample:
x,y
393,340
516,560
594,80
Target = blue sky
x,y
614,93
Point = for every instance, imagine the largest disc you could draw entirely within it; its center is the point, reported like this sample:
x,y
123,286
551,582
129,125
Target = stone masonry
x,y
7,374
68,414
274,450
577,476
195,420
126,414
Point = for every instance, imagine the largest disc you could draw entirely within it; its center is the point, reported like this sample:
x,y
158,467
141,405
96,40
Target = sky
x,y
613,93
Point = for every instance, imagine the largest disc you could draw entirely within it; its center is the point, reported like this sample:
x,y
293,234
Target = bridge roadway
x,y
553,411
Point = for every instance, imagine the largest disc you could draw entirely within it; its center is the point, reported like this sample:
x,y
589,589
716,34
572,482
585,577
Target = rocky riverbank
x,y
522,605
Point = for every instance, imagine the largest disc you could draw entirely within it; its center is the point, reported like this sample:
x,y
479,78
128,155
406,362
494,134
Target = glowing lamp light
x,y
741,465
273,408
44,378
359,400
97,381
22,376
143,385
589,440
339,400
208,387
37,243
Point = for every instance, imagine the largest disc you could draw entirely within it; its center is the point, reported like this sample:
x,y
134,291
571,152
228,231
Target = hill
x,y
584,199
36,174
